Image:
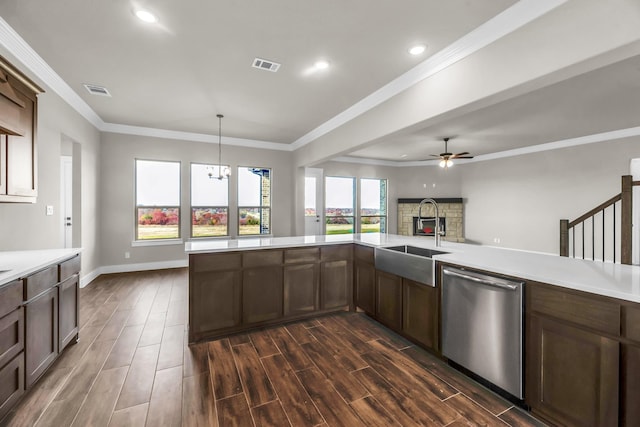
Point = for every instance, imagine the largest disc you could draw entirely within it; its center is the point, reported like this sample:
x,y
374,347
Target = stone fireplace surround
x,y
449,208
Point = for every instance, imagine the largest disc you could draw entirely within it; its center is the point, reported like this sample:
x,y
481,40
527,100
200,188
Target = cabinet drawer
x,y
363,253
11,335
335,253
261,258
39,282
68,268
303,255
11,384
631,322
580,308
10,297
201,263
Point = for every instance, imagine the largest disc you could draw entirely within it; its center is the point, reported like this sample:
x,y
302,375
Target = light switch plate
x,y
49,210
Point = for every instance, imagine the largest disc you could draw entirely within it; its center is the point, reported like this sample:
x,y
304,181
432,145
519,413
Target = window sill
x,y
159,242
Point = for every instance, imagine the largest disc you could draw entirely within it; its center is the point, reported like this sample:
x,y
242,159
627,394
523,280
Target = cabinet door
x,y
420,313
301,288
336,283
68,322
21,153
214,302
11,335
572,374
365,286
11,384
261,294
41,331
630,386
389,299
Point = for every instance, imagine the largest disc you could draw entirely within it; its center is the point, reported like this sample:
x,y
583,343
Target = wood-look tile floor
x,y
133,367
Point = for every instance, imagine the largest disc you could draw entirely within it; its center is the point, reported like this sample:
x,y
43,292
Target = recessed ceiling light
x,y
417,49
146,16
321,65
403,156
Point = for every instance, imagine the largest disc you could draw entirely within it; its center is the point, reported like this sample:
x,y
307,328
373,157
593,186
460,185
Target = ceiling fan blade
x,y
435,155
462,157
461,154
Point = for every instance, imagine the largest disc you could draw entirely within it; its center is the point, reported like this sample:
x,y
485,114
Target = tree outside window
x,y
209,201
373,205
339,204
157,200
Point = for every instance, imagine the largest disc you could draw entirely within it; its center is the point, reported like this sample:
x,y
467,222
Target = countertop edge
x,y
43,258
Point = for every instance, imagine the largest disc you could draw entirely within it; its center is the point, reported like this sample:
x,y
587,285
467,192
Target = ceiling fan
x,y
446,157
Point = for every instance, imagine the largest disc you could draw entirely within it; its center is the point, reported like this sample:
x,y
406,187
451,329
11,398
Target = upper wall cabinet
x,y
18,118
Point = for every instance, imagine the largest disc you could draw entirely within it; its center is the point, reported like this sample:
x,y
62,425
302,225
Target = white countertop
x,y
17,264
602,278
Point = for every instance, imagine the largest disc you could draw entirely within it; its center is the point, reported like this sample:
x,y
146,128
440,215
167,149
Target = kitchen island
x,y
582,318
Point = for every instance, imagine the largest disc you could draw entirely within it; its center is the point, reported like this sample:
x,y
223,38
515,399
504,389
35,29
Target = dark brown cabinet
x,y
364,277
389,299
572,353
301,281
41,331
235,291
336,276
38,318
215,282
68,304
11,345
630,365
420,313
261,294
18,119
301,286
11,384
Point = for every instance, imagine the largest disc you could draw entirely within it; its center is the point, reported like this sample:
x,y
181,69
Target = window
x,y
373,205
209,201
254,201
339,201
157,200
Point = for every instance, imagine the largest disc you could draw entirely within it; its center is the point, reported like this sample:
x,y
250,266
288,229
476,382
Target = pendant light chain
x,y
220,116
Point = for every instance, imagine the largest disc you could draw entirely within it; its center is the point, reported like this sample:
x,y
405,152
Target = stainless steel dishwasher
x,y
482,326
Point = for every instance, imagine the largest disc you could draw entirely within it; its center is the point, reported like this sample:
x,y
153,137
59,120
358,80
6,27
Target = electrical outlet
x,y
49,210
127,255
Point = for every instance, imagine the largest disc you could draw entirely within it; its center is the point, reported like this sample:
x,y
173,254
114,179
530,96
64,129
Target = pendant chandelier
x,y
223,171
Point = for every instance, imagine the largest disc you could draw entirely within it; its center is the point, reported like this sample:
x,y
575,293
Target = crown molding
x,y
500,25
192,136
610,136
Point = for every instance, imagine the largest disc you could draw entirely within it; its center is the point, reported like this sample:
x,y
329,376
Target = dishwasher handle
x,y
479,280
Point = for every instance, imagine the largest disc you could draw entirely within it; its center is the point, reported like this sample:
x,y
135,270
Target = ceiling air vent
x,y
97,90
264,64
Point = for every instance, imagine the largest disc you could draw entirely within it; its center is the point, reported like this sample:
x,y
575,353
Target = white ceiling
x,y
196,62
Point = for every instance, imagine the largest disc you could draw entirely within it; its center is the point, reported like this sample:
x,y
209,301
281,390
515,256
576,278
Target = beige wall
x,y
520,200
25,226
118,153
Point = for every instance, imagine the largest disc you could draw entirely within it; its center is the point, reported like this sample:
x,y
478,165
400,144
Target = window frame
x,y
269,208
354,201
192,207
386,205
137,207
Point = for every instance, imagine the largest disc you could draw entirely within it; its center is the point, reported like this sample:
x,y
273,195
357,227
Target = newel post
x,y
626,219
564,237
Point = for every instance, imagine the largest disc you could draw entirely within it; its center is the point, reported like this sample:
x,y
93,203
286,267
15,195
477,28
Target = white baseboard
x,y
127,268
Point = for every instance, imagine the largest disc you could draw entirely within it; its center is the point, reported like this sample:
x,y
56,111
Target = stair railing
x,y
580,227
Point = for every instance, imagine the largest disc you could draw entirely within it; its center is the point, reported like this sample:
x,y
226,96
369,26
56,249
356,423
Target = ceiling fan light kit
x,y
446,158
